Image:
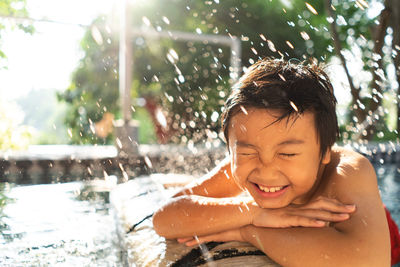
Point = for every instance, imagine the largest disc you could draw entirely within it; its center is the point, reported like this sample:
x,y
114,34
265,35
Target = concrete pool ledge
x,y
133,204
64,163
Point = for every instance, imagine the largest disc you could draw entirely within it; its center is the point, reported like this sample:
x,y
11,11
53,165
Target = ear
x,y
327,157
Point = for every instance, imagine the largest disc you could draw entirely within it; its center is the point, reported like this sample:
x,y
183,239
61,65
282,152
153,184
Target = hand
x,y
225,236
317,213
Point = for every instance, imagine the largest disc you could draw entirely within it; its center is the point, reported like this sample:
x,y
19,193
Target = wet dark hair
x,y
291,87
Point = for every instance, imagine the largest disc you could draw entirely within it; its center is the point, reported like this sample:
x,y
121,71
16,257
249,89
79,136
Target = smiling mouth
x,y
271,189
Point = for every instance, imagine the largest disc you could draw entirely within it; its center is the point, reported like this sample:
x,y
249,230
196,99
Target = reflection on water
x,y
48,226
53,225
389,185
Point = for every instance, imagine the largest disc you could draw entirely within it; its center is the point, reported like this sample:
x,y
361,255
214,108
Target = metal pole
x,y
236,62
125,62
232,41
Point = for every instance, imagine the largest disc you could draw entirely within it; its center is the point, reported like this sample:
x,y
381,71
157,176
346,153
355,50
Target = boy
x,y
308,203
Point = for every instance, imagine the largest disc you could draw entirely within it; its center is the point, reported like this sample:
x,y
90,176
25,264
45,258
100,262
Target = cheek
x,y
239,171
304,175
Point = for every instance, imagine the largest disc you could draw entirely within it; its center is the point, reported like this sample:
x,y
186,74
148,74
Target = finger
x,y
305,222
225,236
199,240
330,204
322,215
184,239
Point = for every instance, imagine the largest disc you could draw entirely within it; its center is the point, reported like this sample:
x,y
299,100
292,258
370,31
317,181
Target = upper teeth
x,y
270,189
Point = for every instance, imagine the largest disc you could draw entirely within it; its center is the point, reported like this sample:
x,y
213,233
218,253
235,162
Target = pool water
x,y
389,186
48,226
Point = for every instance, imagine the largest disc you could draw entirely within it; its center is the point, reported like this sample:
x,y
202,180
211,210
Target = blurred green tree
x,y
191,80
13,135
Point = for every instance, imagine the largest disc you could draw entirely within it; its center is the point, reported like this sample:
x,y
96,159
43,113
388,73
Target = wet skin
x,y
282,157
280,165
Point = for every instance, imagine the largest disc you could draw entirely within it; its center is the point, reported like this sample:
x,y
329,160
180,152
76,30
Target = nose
x,y
266,159
268,167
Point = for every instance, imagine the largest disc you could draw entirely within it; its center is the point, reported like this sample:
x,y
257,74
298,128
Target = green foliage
x,y
191,79
146,133
14,8
94,89
193,86
13,135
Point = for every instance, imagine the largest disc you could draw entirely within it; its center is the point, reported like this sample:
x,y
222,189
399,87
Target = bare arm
x,y
203,206
217,183
363,240
193,215
208,208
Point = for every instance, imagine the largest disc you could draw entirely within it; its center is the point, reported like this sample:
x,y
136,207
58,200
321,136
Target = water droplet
x,y
290,44
305,36
161,118
244,110
214,116
281,76
271,46
341,21
294,106
96,35
173,53
119,143
362,4
146,21
148,162
311,8
166,20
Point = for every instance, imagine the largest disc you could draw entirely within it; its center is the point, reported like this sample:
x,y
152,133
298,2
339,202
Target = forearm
x,y
193,215
301,246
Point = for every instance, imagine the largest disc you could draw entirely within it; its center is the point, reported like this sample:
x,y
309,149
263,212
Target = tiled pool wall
x,y
44,169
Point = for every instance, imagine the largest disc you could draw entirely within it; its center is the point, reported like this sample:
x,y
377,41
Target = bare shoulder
x,y
349,169
352,180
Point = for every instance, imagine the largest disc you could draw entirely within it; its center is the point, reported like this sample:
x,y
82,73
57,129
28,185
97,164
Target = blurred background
x,y
60,65
94,93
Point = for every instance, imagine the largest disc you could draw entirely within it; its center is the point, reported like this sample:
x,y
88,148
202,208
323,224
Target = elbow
x,y
166,223
172,220
160,225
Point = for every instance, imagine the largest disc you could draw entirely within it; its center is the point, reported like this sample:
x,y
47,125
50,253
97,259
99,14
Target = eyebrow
x,y
285,142
243,144
291,142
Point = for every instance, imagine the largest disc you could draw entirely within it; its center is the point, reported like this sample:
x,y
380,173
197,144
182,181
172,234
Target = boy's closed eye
x,y
247,153
288,155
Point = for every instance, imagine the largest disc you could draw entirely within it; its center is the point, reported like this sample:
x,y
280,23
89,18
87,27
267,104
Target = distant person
x,y
307,202
105,126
